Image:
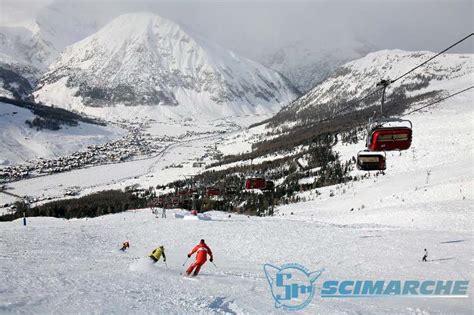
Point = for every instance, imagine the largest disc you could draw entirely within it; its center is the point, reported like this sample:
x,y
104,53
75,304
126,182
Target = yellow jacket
x,y
157,252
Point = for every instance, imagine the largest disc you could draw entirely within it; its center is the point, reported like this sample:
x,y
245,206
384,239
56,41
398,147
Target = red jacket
x,y
201,250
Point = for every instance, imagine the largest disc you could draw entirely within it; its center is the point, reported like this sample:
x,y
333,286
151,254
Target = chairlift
x,y
390,135
371,161
255,183
212,192
259,183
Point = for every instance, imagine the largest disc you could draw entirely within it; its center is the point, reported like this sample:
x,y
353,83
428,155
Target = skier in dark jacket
x,y
425,256
125,245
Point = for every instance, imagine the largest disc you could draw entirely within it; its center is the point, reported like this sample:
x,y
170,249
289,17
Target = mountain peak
x,y
143,59
136,22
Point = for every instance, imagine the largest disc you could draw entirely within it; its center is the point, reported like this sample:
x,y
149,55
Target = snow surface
x,y
54,265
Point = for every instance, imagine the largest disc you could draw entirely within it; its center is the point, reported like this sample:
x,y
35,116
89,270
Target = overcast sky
x,y
256,27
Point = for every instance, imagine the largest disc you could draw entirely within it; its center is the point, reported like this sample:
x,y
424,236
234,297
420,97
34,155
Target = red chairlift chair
x,y
212,192
386,135
255,183
259,183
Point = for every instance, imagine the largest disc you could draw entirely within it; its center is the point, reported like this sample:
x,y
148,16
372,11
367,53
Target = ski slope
x,y
61,266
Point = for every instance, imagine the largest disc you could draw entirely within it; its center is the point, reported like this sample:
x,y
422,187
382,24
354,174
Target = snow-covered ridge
x,y
143,59
357,78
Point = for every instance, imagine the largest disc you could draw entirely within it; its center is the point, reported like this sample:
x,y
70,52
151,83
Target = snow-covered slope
x,y
143,59
56,265
431,185
305,67
39,41
19,143
18,72
357,78
18,48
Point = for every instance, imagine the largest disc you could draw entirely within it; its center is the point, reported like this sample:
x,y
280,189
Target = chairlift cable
x,y
426,61
438,101
354,102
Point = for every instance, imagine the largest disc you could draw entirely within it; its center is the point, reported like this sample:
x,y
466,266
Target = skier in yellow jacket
x,y
157,252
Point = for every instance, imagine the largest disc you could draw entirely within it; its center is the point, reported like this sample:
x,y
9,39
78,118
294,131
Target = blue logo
x,y
292,285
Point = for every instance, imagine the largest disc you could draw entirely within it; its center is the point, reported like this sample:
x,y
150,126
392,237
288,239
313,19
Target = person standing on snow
x,y
201,250
157,252
425,256
163,213
125,245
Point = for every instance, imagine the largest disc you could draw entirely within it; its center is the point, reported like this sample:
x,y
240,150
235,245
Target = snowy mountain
x,y
25,54
18,71
27,48
357,78
20,142
143,59
305,67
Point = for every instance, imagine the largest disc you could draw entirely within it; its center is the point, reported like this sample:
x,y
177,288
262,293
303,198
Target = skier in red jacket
x,y
201,250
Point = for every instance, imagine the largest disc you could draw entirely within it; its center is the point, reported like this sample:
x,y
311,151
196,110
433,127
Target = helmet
x,y
202,241
162,247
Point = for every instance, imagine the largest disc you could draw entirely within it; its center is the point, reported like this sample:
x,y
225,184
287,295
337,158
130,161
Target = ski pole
x,y
185,261
166,264
214,264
